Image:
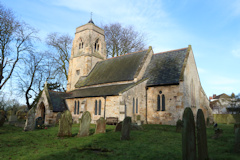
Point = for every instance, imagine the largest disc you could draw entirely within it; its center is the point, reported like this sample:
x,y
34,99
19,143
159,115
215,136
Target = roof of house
x,y
165,68
122,68
57,100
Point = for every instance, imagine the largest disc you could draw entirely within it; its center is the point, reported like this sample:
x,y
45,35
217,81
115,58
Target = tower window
x,y
80,44
78,71
96,46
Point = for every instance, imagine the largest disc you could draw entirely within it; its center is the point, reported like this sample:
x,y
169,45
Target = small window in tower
x,y
78,71
80,44
96,46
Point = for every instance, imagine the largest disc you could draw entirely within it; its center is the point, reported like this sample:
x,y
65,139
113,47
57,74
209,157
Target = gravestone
x,y
136,127
236,125
179,125
65,125
84,124
118,127
126,128
30,122
217,133
100,126
12,119
39,122
2,120
237,140
59,114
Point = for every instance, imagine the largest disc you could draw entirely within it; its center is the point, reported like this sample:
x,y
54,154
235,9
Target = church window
x,y
75,107
96,46
80,44
78,108
100,106
158,103
78,71
133,105
95,107
136,105
163,102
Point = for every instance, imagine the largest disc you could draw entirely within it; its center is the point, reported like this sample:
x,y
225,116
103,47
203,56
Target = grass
x,y
154,142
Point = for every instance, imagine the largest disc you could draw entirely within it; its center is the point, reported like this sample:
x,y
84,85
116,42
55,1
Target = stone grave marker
x,y
30,122
217,133
237,140
2,120
236,125
100,126
39,122
65,125
84,124
126,128
59,114
179,126
118,127
12,118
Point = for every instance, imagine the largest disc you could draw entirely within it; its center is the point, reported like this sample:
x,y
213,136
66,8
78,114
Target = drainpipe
x,y
146,105
105,97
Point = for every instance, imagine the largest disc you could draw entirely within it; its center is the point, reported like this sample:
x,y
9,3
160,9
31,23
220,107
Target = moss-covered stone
x,y
65,125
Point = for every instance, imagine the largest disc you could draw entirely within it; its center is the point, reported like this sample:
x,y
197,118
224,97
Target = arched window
x,y
100,106
163,102
80,44
96,46
133,105
136,105
95,107
75,107
158,103
78,108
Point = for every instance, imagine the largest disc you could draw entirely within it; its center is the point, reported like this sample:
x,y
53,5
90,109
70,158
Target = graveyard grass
x,y
154,142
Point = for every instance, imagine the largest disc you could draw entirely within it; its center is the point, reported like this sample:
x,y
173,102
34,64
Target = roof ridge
x,y
56,91
172,50
126,54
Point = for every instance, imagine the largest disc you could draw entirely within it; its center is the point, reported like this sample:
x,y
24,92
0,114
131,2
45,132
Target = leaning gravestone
x,y
179,126
39,122
126,127
65,125
237,140
30,122
84,124
2,120
118,127
100,126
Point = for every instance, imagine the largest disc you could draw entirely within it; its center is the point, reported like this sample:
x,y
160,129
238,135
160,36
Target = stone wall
x,y
226,118
173,105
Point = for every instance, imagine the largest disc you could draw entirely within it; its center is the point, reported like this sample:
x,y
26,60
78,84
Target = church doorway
x,y
42,111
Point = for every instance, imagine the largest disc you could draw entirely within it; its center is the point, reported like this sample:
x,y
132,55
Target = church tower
x,y
88,48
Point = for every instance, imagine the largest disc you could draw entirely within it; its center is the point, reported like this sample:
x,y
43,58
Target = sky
x,y
211,27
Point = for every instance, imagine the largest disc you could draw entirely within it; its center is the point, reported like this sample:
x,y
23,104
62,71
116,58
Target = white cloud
x,y
221,80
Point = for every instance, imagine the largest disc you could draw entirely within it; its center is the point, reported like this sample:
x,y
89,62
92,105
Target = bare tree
x,y
61,45
15,38
31,78
121,40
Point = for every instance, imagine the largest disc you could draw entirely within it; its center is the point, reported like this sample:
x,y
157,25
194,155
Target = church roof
x,y
165,68
57,100
110,90
122,68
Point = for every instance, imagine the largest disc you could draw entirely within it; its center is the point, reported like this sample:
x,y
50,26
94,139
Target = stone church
x,y
155,86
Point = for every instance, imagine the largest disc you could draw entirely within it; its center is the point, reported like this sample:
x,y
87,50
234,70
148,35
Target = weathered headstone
x,y
236,125
100,126
30,122
59,114
118,127
237,140
65,125
217,133
2,120
201,136
188,136
84,124
12,119
179,125
136,127
39,122
126,128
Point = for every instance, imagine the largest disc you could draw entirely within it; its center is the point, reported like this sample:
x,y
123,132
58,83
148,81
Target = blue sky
x,y
211,27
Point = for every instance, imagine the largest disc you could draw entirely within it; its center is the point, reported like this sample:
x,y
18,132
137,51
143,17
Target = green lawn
x,y
154,142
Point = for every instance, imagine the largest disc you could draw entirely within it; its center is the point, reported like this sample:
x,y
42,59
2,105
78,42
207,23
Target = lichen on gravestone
x,y
100,126
84,124
30,120
65,125
201,136
188,136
